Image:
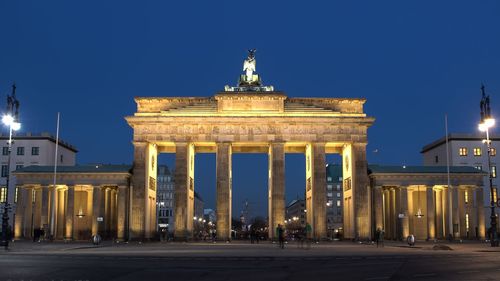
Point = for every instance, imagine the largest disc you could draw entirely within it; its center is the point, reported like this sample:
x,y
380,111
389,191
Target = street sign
x,y
100,219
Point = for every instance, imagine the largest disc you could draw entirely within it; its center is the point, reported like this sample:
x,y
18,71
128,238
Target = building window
x,y
62,158
329,178
35,150
477,151
330,187
4,171
480,168
338,194
462,151
338,186
20,150
338,203
19,167
340,179
493,151
436,159
15,194
495,198
3,194
493,171
5,150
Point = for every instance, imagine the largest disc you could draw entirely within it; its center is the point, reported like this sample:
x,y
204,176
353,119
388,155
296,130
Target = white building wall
x,y
457,142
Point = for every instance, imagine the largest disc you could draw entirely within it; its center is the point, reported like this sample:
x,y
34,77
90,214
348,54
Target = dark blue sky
x,y
414,61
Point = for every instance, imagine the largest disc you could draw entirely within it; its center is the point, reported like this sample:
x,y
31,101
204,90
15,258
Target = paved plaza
x,y
245,261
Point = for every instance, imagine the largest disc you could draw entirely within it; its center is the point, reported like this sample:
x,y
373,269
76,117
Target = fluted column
x,y
455,212
44,216
360,192
224,190
378,206
276,187
431,218
70,212
480,213
19,213
121,224
184,190
96,210
405,221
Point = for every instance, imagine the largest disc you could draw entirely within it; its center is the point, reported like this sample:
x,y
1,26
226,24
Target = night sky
x,y
414,61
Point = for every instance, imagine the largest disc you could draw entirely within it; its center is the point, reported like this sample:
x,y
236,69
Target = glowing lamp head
x,y
489,122
16,126
482,127
8,120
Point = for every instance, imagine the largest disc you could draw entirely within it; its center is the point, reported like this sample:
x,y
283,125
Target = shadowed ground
x,y
244,261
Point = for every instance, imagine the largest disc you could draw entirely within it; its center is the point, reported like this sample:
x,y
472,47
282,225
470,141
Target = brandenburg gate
x,y
250,118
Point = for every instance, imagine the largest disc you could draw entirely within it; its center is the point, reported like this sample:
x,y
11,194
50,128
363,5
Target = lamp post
x,y
487,122
10,119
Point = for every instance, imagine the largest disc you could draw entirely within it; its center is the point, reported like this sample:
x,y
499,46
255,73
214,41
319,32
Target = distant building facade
x,y
334,198
467,150
165,198
296,212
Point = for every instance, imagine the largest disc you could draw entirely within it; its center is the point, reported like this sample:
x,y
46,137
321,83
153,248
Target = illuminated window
x,y
493,171
15,195
466,197
477,151
338,194
3,194
493,151
338,203
330,187
480,168
462,151
495,194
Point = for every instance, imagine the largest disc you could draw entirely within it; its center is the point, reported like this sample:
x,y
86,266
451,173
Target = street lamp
x,y
487,121
10,119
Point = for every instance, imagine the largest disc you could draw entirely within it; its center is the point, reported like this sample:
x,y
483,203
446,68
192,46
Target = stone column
x,y
96,210
19,213
29,213
405,221
388,215
44,221
224,190
360,191
455,212
395,214
184,191
431,219
276,190
378,205
480,213
121,224
70,212
138,200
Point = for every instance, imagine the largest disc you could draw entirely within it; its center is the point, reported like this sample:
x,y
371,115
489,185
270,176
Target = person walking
x,y
281,236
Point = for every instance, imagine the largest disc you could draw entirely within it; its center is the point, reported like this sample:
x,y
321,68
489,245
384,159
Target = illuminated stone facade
x,y
416,200
86,200
250,122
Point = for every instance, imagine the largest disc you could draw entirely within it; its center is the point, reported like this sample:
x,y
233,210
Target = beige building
x,y
85,201
416,200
